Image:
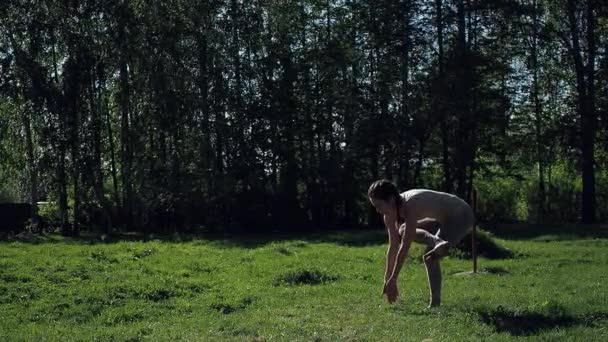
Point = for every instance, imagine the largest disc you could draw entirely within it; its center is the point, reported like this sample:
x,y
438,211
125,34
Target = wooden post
x,y
473,242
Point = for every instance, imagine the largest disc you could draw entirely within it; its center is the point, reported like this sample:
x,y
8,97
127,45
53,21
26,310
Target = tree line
x,y
277,115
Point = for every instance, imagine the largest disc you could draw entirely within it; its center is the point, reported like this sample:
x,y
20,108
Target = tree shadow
x,y
526,322
549,232
350,238
353,238
486,246
492,271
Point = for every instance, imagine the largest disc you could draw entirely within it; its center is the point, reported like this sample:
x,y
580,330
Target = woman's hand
x,y
390,290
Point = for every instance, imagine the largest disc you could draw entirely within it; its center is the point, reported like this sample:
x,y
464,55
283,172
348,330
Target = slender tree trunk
x,y
111,144
471,148
54,101
372,217
538,123
72,86
308,153
289,169
418,169
96,101
404,137
464,120
206,152
176,185
221,140
76,183
31,163
238,89
589,122
220,119
63,193
445,161
124,104
349,183
332,85
75,152
462,29
584,86
125,140
471,25
383,103
444,119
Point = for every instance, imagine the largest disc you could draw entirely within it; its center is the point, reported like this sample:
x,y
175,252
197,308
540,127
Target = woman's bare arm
x,y
393,246
408,235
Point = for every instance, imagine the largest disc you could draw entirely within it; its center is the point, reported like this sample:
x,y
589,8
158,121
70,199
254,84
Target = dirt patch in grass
x,y
122,317
499,271
157,295
299,244
305,277
197,267
101,256
120,294
285,251
12,278
194,289
22,293
227,308
143,253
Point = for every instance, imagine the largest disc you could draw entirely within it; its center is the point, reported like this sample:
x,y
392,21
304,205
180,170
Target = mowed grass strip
x,y
325,288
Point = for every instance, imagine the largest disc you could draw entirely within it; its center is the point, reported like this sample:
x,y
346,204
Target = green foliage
x,y
500,199
5,197
515,198
564,189
11,153
276,115
49,213
602,194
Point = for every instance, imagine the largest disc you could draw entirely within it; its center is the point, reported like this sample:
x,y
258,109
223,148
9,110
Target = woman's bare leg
x,y
433,272
425,238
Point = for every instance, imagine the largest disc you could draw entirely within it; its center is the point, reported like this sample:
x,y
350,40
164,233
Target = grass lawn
x,y
322,287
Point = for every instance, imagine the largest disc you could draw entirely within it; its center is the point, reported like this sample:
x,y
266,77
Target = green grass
x,y
321,287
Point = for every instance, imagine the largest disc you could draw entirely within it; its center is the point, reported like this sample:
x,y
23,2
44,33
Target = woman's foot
x,y
434,304
439,251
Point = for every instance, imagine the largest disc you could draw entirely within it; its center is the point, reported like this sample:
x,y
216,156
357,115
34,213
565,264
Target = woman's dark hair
x,y
384,189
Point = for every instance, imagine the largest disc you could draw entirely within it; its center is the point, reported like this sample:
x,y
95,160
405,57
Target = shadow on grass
x,y
493,271
487,247
350,238
527,322
354,238
549,232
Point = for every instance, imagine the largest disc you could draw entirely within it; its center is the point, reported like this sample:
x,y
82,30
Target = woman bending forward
x,y
436,219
